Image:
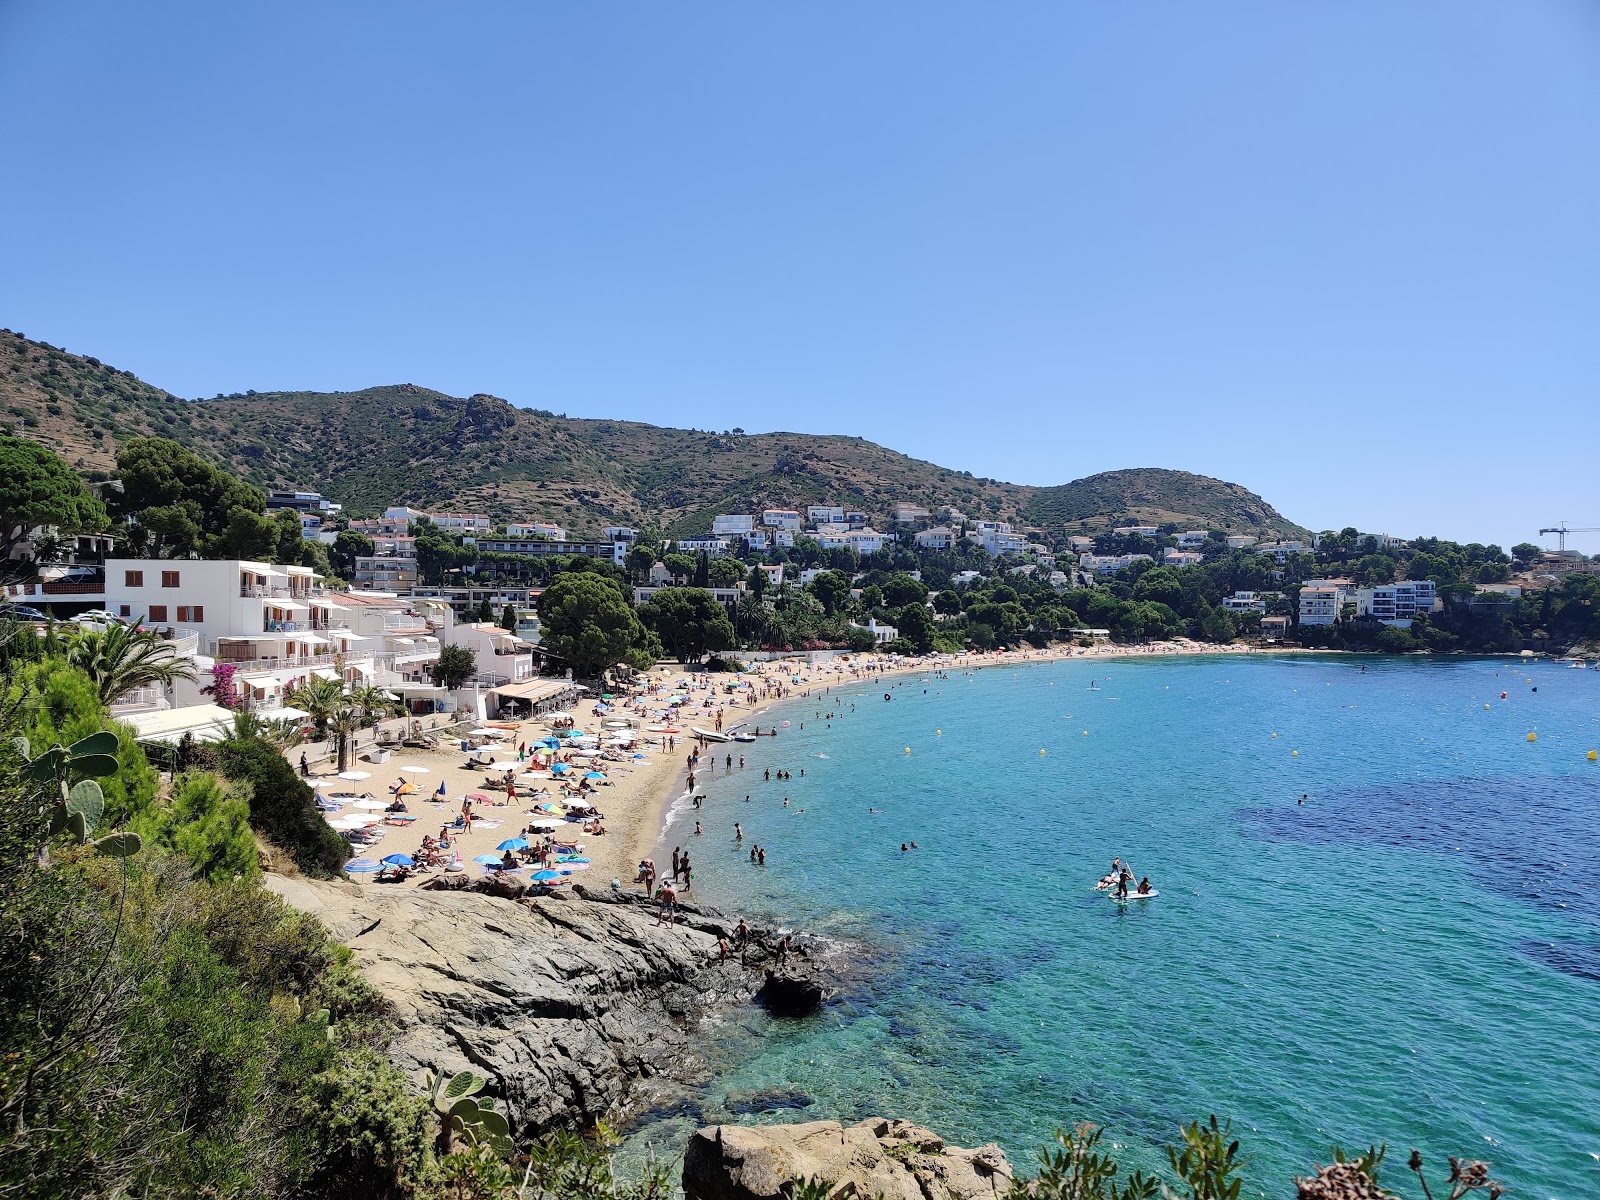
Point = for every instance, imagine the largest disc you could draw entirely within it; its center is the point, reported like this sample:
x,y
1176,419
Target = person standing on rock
x,y
741,935
669,905
783,951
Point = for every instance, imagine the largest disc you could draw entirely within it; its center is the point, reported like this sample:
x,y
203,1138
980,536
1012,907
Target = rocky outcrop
x,y
895,1160
565,1002
790,993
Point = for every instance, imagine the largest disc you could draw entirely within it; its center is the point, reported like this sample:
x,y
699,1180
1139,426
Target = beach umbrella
x,y
406,789
546,823
545,876
415,769
557,716
319,783
594,775
560,769
369,804
513,844
356,776
362,866
400,860
478,796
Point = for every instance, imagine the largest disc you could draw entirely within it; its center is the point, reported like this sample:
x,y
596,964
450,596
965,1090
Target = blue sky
x,y
1347,255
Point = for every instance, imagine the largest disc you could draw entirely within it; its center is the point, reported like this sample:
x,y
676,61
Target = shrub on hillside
x,y
282,807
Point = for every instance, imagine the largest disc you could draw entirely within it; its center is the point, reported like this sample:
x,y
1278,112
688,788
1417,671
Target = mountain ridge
x,y
406,443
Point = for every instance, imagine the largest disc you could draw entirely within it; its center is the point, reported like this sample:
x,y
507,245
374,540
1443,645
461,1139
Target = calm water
x,y
1411,956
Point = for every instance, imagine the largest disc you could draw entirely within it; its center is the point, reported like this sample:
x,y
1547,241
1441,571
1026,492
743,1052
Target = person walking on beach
x,y
305,765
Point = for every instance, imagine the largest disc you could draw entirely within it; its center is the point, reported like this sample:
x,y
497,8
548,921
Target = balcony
x,y
145,699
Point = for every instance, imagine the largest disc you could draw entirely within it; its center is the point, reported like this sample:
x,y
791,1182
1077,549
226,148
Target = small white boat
x,y
710,735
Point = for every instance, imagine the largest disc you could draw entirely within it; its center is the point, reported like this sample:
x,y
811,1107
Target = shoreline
x,y
651,839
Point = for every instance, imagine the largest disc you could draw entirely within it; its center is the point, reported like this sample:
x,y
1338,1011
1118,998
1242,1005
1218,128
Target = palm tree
x,y
279,734
338,713
122,659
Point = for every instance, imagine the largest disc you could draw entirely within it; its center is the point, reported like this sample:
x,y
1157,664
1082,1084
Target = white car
x,y
98,617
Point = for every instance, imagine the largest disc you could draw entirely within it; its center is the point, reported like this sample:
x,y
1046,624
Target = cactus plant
x,y
81,803
468,1116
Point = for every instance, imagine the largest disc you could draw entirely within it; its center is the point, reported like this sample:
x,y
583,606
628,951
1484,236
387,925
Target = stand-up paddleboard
x,y
1133,895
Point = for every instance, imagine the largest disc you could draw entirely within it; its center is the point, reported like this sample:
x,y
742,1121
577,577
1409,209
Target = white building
x,y
905,513
1182,558
1280,551
961,578
501,656
726,596
998,542
939,537
1240,541
714,546
823,514
462,522
547,530
1321,603
862,541
1247,602
1106,564
1137,530
622,533
880,633
1079,544
1192,539
781,518
732,524
1397,603
774,574
783,538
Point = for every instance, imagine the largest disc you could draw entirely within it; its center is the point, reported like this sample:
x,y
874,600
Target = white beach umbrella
x,y
357,776
414,769
370,804
556,716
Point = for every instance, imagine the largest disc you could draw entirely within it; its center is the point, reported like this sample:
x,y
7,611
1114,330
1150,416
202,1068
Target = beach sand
x,y
638,795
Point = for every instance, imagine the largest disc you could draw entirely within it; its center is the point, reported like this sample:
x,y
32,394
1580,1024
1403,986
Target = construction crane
x,y
1563,529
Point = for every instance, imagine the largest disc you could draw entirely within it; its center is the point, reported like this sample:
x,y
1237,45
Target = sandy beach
x,y
639,790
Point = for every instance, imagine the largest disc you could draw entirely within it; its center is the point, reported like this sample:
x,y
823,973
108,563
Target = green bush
x,y
207,820
282,807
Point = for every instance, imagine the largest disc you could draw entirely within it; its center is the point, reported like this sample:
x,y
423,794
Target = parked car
x,y
21,612
99,617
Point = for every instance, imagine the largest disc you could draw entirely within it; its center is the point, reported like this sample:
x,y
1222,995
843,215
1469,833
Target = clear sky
x,y
1347,255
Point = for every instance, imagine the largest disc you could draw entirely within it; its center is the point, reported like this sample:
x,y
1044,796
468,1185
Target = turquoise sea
x,y
1411,956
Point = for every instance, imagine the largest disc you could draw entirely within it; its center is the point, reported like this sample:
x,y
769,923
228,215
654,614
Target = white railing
x,y
404,624
141,700
184,642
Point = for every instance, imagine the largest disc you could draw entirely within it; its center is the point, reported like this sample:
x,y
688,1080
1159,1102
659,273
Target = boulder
x,y
895,1160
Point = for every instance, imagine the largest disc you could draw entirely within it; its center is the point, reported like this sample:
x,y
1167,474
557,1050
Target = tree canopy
x,y
182,505
37,488
589,622
689,622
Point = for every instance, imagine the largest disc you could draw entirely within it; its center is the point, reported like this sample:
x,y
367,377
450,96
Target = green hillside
x,y
408,444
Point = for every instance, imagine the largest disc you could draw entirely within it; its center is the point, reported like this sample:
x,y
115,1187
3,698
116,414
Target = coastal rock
x,y
895,1160
565,1003
790,993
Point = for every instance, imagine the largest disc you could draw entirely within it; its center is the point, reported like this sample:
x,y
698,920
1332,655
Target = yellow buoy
x,y
908,749
1274,735
1085,733
1041,754
1533,737
1296,753
938,733
1593,755
1486,708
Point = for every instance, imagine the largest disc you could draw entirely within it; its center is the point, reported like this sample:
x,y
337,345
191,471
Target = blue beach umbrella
x,y
513,844
559,769
361,866
544,876
398,860
488,860
594,775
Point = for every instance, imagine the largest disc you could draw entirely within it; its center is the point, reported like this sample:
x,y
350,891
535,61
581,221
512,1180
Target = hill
x,y
408,444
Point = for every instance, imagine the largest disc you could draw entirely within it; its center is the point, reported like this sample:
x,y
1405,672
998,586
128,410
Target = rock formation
x,y
564,1002
895,1160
